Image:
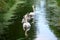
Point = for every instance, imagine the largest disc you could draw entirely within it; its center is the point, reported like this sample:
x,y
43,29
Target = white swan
x,y
26,18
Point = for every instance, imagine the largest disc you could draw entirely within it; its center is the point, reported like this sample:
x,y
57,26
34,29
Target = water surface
x,y
43,31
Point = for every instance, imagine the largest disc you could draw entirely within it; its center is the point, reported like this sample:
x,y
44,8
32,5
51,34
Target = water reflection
x,y
42,32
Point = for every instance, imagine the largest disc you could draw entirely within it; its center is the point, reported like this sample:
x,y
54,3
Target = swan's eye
x,y
30,15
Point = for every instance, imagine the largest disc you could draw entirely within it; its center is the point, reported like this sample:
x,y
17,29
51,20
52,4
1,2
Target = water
x,y
42,27
42,30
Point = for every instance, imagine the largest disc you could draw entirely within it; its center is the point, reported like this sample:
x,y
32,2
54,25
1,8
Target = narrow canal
x,y
43,31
